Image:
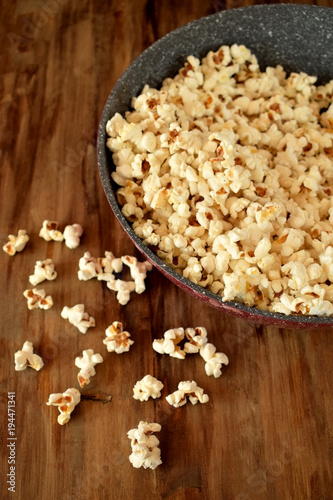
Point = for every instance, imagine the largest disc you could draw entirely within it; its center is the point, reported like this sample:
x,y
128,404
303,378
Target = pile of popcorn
x,y
226,173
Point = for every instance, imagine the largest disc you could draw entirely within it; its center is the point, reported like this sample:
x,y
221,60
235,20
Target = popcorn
x,y
145,450
105,268
148,387
123,289
16,243
117,340
110,263
44,270
66,403
26,357
197,338
72,235
138,271
36,298
87,364
169,344
226,170
77,316
187,390
49,231
214,360
89,267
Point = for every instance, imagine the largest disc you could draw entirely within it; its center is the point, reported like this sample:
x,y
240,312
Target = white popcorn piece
x,y
77,316
123,289
110,263
227,171
72,235
26,357
66,403
169,344
87,363
49,231
148,387
44,270
197,338
138,271
214,360
102,268
16,243
36,298
89,267
144,444
117,340
187,390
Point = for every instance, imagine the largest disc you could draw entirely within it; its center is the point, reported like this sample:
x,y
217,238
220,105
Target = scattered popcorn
x,y
197,338
117,340
72,235
50,231
44,270
36,298
123,289
26,357
87,363
214,360
110,263
148,387
169,344
145,450
77,316
187,391
138,271
66,403
89,267
16,243
226,171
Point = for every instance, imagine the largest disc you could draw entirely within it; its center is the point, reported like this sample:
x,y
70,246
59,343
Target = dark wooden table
x,y
267,430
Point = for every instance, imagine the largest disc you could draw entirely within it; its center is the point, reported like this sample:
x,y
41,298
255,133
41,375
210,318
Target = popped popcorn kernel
x,y
214,360
110,263
26,357
49,231
187,391
16,243
117,340
65,402
138,271
78,317
44,270
72,235
169,344
89,267
197,337
123,289
144,444
87,363
37,298
148,387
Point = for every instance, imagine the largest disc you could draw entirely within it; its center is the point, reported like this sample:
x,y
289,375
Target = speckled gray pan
x,y
299,37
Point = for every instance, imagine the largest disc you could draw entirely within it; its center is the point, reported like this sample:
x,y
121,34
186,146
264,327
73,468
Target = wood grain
x,y
267,430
